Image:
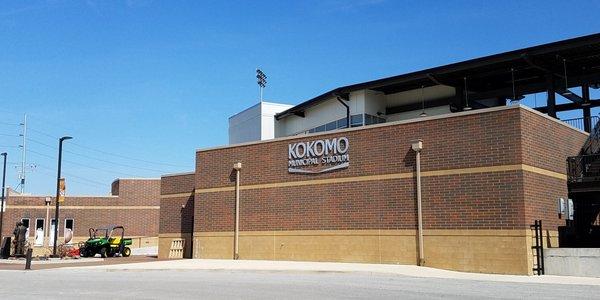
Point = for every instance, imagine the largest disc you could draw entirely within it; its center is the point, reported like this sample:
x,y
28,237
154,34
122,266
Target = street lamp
x,y
3,189
60,142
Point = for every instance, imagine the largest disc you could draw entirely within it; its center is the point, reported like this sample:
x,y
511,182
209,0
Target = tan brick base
x,y
489,251
164,244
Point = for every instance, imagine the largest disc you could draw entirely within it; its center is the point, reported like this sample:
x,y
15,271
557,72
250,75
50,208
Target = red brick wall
x,y
483,139
475,201
132,192
176,213
546,145
139,191
497,200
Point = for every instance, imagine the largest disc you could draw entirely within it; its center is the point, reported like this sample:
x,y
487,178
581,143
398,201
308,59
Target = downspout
x,y
193,225
236,240
417,146
343,102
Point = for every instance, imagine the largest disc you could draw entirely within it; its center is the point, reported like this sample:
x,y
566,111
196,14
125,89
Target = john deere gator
x,y
108,242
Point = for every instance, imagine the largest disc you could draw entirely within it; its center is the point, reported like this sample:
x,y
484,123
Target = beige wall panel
x,y
219,246
164,244
476,253
490,251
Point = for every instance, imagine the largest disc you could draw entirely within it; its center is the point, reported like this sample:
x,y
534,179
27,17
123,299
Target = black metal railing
x,y
538,247
592,145
583,168
579,123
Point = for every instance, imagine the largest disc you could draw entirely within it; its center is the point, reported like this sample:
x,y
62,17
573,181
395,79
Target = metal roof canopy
x,y
536,69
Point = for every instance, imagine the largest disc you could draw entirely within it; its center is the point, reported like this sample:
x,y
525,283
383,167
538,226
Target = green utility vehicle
x,y
108,242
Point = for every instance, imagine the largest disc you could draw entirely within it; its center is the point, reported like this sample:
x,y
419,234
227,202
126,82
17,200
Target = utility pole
x,y
23,154
4,154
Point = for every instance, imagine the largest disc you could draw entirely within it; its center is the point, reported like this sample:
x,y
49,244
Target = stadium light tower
x,y
261,79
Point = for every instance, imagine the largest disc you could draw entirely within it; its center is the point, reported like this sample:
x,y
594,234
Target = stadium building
x,y
430,168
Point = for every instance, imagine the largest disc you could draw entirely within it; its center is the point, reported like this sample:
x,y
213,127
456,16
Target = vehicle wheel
x,y
103,253
83,253
126,252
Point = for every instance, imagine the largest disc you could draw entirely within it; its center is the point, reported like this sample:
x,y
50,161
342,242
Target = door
x,y
39,232
51,233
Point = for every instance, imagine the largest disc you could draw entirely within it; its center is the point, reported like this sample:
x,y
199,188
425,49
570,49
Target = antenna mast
x,y
23,154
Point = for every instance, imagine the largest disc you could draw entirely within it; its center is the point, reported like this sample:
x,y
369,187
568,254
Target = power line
x,y
43,133
86,182
130,158
99,159
109,153
10,135
83,165
75,176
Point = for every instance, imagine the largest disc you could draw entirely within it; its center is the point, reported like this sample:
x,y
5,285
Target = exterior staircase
x,y
583,175
583,170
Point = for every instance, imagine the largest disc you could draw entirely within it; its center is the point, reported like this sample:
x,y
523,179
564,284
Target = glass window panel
x,y
356,120
331,125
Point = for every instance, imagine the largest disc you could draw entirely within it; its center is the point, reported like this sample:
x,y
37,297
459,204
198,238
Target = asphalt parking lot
x,y
77,283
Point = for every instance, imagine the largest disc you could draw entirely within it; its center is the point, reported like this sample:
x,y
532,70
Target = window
x,y
331,126
356,120
342,123
320,128
51,233
25,222
69,227
39,231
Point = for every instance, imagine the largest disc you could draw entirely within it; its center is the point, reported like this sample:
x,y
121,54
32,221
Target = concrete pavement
x,y
297,266
95,283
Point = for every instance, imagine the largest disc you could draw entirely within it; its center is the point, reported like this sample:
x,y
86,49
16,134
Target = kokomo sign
x,y
318,156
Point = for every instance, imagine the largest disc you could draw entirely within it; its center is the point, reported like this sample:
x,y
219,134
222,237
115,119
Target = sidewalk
x,y
297,266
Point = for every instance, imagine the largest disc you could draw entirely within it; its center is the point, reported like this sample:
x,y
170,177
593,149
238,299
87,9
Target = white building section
x,y
367,107
255,123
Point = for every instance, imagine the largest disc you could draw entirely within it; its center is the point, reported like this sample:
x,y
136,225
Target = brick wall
x,y
492,199
474,201
138,198
546,145
483,139
177,204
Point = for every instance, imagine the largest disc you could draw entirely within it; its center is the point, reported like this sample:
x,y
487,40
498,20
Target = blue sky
x,y
141,85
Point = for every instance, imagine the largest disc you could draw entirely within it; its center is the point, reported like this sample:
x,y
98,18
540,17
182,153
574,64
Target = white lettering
x,y
292,151
330,146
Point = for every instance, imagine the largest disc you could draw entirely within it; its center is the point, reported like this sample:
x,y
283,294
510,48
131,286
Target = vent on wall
x,y
177,246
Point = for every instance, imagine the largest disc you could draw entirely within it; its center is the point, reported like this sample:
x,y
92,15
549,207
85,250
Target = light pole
x,y
261,79
60,142
3,189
